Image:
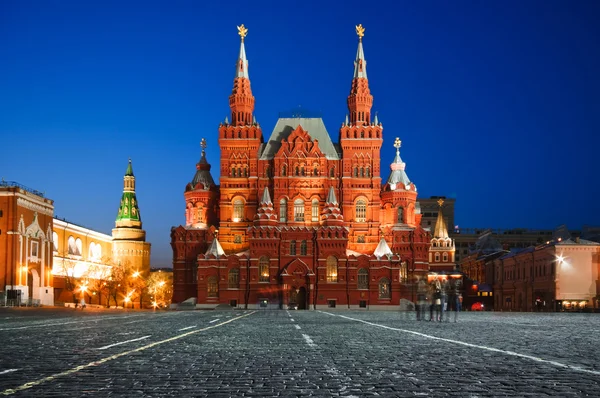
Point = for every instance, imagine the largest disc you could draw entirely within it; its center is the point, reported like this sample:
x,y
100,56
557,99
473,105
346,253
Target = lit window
x,y
332,269
55,241
363,278
263,269
212,287
298,210
361,239
79,247
72,247
238,210
234,278
315,210
445,256
361,211
384,288
237,239
283,210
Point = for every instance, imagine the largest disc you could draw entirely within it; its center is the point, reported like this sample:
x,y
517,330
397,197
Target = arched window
x,y
284,170
55,241
315,210
297,171
400,219
368,171
363,278
356,172
303,248
437,257
238,210
302,171
445,257
212,287
315,170
332,172
245,171
79,247
298,210
362,171
234,278
362,134
332,269
384,288
283,210
293,247
234,172
91,251
263,269
361,211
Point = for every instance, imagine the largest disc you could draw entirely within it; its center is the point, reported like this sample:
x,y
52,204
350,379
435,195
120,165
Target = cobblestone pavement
x,y
61,353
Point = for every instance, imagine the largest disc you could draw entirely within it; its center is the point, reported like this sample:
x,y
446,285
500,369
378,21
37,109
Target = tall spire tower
x,y
239,140
129,239
241,100
442,250
361,141
360,99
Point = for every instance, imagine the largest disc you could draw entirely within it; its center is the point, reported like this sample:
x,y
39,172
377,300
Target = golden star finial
x,y
441,202
360,31
242,31
397,143
203,144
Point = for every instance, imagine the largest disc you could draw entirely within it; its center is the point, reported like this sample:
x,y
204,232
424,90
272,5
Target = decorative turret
x,y
398,178
129,212
265,214
360,99
442,249
201,195
241,100
215,249
331,214
202,176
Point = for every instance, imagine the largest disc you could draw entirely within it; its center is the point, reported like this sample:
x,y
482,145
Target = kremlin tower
x,y
129,239
296,219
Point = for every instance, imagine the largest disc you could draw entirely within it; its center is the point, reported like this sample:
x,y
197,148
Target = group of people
x,y
437,298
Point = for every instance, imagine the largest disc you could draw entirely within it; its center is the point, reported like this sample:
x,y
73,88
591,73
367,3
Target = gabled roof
x,y
313,126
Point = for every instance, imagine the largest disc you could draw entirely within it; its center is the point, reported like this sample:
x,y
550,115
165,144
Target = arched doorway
x,y
302,298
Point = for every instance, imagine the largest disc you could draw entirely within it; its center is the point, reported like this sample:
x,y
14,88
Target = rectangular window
x,y
237,239
331,303
362,303
315,212
361,239
34,249
293,248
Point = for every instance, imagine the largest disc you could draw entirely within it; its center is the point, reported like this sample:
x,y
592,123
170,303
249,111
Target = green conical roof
x,y
129,171
129,209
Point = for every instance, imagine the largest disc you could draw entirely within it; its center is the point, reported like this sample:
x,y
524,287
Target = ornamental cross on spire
x,y
242,31
203,145
440,202
360,31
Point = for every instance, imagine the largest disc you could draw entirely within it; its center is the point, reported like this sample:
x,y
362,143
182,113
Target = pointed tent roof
x,y
266,197
215,248
360,64
441,230
241,69
331,196
382,249
129,171
398,175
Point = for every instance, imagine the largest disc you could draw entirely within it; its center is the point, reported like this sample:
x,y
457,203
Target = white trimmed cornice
x,y
34,205
73,228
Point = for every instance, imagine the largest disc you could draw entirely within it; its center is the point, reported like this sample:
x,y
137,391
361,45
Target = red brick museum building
x,y
297,219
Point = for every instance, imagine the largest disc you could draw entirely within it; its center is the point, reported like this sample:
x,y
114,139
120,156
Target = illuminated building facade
x,y
298,219
25,244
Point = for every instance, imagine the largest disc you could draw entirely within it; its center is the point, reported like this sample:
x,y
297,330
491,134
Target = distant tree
x,y
158,287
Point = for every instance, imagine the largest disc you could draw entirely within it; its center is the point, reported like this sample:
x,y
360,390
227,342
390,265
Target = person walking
x,y
444,298
436,288
453,299
82,303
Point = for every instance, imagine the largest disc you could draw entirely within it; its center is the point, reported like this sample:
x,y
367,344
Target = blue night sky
x,y
497,103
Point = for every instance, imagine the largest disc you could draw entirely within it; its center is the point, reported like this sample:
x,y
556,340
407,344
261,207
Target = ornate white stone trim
x,y
22,202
